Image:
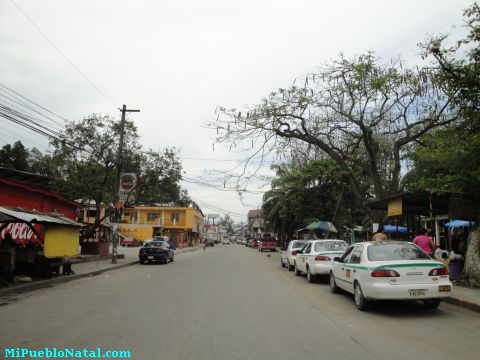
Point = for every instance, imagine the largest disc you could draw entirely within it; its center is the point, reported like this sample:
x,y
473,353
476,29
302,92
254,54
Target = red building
x,y
29,191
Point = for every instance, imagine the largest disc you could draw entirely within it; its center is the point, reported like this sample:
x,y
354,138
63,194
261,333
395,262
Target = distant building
x,y
256,225
183,225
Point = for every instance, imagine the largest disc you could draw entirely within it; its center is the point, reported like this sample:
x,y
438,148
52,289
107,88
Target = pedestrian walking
x,y
424,242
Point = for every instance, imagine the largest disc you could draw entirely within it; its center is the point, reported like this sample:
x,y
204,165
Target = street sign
x,y
128,182
395,207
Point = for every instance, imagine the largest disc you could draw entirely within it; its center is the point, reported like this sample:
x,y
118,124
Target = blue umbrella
x,y
393,228
459,223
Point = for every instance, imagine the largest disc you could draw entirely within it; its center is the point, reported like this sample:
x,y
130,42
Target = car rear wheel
x,y
142,262
172,258
282,263
333,285
360,301
432,304
289,267
297,272
310,277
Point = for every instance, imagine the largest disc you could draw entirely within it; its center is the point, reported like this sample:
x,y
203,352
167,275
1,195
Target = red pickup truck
x,y
267,244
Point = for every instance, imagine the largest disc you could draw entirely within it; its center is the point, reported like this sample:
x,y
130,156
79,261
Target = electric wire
x,y
20,99
62,54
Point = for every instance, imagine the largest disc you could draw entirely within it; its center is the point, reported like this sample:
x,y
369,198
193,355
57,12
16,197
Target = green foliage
x,y
448,160
14,157
160,176
450,157
305,193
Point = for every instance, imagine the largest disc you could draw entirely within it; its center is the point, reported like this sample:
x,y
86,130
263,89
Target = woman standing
x,y
424,242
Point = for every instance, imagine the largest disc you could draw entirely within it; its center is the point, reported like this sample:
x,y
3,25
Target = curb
x,y
63,279
463,303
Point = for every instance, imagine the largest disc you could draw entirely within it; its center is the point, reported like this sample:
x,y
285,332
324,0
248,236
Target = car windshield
x,y
161,244
395,251
330,246
298,244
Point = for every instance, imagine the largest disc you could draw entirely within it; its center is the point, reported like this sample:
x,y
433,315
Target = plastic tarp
x,y
394,228
459,223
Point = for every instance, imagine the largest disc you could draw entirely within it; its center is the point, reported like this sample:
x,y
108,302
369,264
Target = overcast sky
x,y
177,60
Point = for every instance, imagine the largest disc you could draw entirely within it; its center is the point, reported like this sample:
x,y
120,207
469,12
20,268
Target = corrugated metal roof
x,y
8,215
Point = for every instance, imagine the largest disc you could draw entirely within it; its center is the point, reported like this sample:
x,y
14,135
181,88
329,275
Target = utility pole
x,y
118,208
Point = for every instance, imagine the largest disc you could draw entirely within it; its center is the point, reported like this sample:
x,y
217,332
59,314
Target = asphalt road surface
x,y
229,302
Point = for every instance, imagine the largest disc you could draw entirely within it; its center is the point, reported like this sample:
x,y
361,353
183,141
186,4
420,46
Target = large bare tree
x,y
359,112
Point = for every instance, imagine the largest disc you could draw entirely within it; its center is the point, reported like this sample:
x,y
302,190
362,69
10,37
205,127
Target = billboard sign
x,y
22,234
128,183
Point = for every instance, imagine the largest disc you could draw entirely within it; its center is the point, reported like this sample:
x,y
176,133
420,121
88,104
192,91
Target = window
x,y
152,216
175,217
395,251
297,244
346,256
330,246
307,249
356,255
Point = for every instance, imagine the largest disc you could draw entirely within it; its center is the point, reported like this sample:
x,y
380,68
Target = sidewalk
x,y
90,266
465,297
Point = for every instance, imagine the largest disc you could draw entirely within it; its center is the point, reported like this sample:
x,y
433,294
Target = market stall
x,y
37,240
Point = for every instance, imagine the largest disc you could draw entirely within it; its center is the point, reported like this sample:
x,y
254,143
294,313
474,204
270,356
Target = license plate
x,y
444,288
419,292
150,258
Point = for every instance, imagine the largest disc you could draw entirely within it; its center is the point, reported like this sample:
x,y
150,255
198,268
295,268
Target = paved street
x,y
229,302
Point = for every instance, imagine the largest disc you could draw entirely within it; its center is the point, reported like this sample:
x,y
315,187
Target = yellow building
x,y
184,226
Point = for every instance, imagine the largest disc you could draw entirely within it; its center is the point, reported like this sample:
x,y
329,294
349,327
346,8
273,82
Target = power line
x,y
16,93
16,136
218,187
62,54
217,208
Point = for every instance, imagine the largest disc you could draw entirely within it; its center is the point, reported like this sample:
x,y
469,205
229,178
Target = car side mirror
x,y
337,259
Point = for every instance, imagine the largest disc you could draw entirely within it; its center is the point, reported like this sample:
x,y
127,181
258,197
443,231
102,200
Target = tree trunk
x,y
472,259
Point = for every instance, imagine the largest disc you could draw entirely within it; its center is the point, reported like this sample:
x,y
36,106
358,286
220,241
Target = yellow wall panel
x,y
61,241
141,233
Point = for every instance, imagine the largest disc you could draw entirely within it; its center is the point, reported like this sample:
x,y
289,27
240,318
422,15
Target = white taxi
x,y
288,256
390,270
316,257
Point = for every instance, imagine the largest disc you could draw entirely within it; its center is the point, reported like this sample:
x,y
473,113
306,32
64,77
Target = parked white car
x,y
392,270
288,256
316,257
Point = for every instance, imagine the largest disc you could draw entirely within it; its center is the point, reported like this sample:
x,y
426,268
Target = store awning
x,y
8,215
